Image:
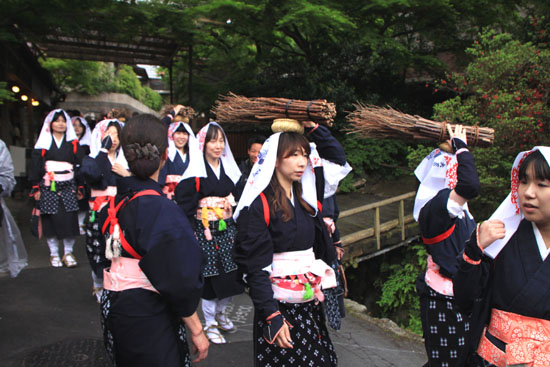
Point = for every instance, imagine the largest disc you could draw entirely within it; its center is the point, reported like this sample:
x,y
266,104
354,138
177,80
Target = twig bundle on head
x,y
187,111
233,108
387,123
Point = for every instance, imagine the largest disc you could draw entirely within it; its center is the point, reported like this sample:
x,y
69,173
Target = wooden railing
x,y
378,228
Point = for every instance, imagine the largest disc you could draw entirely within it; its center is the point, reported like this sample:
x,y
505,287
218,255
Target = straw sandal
x,y
97,292
214,335
55,261
69,260
224,324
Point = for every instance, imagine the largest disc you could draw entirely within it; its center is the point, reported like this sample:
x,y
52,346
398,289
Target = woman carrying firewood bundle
x,y
285,251
447,182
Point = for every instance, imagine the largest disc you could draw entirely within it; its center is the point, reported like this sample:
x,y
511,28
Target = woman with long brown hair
x,y
284,250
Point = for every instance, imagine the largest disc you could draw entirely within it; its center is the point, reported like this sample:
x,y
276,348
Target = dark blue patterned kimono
x,y
141,327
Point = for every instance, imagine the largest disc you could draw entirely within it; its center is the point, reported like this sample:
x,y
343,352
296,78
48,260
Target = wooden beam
x,y
359,209
369,232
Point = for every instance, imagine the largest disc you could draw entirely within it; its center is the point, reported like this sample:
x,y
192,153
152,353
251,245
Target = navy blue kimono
x,y
256,244
59,209
221,278
141,327
98,174
515,281
175,167
445,329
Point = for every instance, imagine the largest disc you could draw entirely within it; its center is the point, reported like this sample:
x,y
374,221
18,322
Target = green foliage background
x,y
378,52
93,77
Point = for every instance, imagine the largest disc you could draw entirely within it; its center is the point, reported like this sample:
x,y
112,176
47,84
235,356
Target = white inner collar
x,y
540,242
216,170
58,143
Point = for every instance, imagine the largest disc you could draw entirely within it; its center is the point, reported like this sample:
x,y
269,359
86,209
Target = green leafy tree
x,y
5,94
506,86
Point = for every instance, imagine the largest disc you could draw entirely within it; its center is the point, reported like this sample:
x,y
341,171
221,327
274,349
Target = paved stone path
x,y
49,318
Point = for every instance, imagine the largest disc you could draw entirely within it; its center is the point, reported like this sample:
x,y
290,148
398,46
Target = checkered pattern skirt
x,y
445,330
312,344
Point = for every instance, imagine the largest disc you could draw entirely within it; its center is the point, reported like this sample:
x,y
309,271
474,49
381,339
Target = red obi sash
x,y
526,339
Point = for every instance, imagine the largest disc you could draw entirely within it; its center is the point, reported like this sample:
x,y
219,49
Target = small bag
x,y
36,222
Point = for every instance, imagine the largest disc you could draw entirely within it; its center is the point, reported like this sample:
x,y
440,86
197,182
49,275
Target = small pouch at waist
x,y
124,274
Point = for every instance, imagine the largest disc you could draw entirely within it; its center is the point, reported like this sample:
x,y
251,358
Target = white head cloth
x,y
97,136
436,172
229,165
45,138
263,170
334,173
509,211
86,138
196,166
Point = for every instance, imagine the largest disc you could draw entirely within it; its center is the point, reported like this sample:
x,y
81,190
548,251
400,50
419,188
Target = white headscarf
x,y
229,165
334,173
436,172
97,136
86,138
196,166
263,169
509,211
45,138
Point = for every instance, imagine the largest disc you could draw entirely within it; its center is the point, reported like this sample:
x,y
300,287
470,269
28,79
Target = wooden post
x,y
377,227
402,219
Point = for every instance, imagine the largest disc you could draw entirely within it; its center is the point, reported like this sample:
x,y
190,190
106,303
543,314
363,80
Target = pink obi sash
x,y
124,274
52,167
170,185
436,281
212,208
297,277
527,340
101,197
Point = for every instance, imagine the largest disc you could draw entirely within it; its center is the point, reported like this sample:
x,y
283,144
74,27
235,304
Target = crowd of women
x,y
165,232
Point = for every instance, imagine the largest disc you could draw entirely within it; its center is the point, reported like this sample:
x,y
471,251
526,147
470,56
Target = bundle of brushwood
x,y
233,108
387,123
187,111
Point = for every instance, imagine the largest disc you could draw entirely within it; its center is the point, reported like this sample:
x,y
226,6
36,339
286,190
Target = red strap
x,y
441,237
75,146
43,153
266,208
128,248
113,220
319,206
197,183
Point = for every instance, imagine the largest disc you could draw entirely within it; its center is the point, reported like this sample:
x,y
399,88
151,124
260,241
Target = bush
x,y
399,299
